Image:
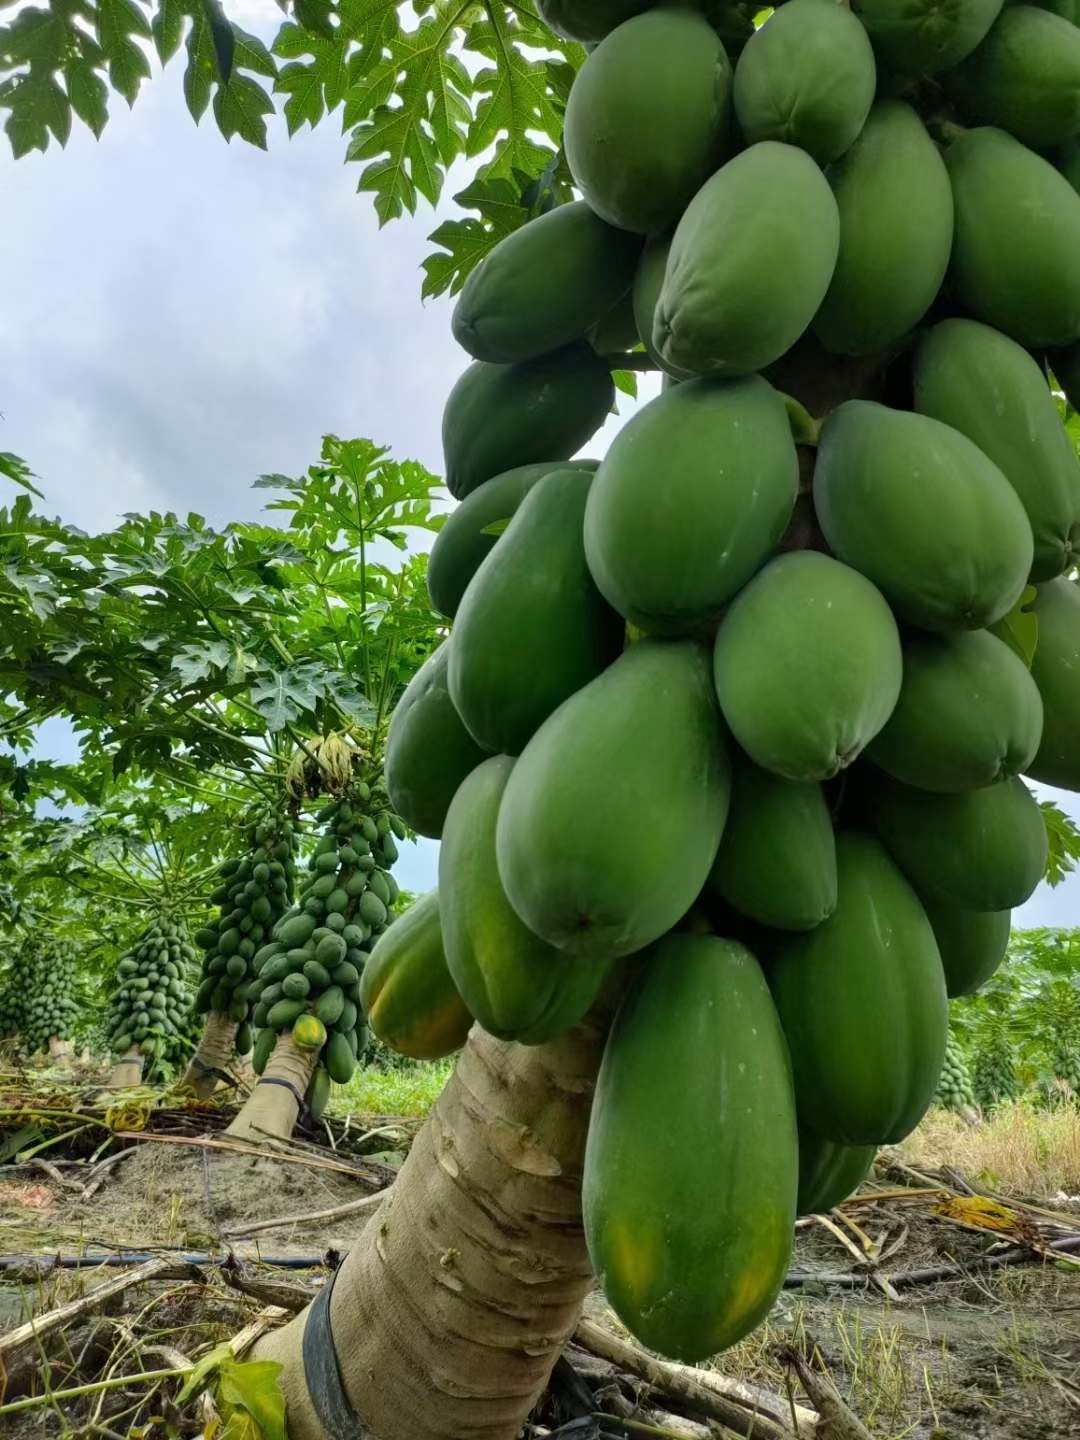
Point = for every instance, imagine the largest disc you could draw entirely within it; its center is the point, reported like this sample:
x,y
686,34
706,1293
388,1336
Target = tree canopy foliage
x,y
416,88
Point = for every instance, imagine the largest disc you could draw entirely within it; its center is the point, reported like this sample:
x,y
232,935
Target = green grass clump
x,y
408,1090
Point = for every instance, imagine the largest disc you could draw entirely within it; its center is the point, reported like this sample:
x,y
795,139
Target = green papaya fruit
x,y
643,739
691,498
691,1161
896,227
329,1005
1016,242
969,714
406,990
750,262
428,749
501,416
806,77
921,37
648,118
863,1005
295,986
588,20
1024,77
517,987
829,1173
318,1092
777,856
532,627
981,850
648,283
807,666
1055,669
474,526
294,930
340,1061
264,1048
990,389
283,1012
971,943
547,283
924,514
617,330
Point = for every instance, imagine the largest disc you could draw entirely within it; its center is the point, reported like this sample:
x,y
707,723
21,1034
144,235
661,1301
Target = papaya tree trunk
x,y
127,1071
274,1104
59,1051
213,1053
465,1285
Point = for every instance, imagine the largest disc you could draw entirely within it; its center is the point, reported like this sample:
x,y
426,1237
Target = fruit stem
x,y
805,429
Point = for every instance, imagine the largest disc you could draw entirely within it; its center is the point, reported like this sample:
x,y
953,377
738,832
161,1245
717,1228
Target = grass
x,y
1018,1149
410,1090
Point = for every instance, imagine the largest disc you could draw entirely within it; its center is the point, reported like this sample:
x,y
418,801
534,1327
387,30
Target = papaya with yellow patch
x,y
406,990
691,1162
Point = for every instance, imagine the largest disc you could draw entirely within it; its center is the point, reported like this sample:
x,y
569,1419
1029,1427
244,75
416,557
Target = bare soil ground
x,y
990,1354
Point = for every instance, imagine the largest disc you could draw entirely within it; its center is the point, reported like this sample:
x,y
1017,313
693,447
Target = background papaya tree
x,y
195,664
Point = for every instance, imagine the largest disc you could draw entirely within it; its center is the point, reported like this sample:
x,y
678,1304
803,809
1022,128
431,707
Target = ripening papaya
x,y
863,1005
829,1173
689,1224
750,262
807,666
546,284
532,627
613,814
777,856
1055,669
428,749
990,389
517,986
983,849
588,20
500,416
921,37
896,227
923,513
806,77
406,990
473,527
648,118
969,714
648,282
1016,240
1024,77
971,943
691,498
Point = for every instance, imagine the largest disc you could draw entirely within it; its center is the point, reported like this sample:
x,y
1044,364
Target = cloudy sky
x,y
181,315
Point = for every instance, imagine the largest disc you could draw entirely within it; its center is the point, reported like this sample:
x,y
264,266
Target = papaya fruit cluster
x,y
256,890
153,1001
751,699
955,1089
308,976
38,1001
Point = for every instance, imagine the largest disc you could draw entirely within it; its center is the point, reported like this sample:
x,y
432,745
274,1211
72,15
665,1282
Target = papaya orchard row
x,y
735,721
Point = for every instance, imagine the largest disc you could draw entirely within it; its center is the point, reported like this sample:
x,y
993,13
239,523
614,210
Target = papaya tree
x,y
199,660
763,686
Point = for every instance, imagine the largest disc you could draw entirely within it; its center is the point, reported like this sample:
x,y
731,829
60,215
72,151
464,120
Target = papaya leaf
x,y
497,527
1020,627
1064,842
17,470
250,1400
625,381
